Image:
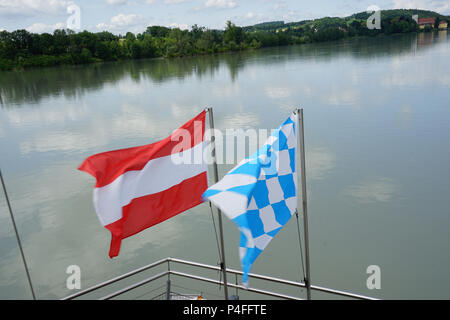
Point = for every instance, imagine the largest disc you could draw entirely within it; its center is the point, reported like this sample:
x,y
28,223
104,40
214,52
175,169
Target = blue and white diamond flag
x,y
260,194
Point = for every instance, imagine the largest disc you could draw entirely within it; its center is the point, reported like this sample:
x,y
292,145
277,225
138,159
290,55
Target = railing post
x,y
168,280
168,289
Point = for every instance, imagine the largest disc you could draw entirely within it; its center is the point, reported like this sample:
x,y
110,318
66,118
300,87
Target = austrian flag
x,y
142,186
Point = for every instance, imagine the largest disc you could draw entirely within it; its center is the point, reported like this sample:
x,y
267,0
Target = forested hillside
x,y
21,49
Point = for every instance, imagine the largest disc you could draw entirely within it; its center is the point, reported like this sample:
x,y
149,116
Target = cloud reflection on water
x,y
371,191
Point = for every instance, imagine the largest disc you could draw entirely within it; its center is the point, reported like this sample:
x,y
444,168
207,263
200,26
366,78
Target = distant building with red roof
x,y
423,22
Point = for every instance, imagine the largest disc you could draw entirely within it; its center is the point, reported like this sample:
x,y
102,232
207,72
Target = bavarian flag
x,y
260,194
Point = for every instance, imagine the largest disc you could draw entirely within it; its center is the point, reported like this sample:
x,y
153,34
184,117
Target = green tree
x,y
85,56
130,36
233,34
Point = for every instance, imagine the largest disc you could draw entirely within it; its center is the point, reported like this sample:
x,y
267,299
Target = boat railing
x,y
171,271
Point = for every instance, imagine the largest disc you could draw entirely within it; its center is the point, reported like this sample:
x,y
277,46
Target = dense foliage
x,y
21,49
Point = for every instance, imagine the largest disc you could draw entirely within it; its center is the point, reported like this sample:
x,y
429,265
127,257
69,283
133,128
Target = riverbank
x,y
20,49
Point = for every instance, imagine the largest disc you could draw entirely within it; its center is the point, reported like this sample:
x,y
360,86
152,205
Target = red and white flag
x,y
142,186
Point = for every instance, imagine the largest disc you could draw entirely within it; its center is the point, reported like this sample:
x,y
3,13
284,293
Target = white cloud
x,y
291,15
434,5
116,2
257,17
11,8
222,4
281,4
122,20
42,27
123,23
174,1
181,26
102,26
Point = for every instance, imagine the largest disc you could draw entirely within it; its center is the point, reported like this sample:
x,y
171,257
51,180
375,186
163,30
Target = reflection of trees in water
x,y
71,81
33,85
161,70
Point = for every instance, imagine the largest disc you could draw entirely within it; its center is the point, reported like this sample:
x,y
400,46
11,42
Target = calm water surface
x,y
377,128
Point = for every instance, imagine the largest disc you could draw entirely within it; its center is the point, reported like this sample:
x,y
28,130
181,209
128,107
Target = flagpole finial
x,y
297,111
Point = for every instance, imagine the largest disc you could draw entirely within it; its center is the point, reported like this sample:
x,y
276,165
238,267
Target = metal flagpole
x,y
216,179
17,235
301,147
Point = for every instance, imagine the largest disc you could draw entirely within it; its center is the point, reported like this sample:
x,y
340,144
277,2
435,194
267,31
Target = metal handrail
x,y
273,279
232,285
134,286
200,278
113,280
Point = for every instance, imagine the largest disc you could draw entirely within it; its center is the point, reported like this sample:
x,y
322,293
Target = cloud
x,y
116,2
14,8
291,15
174,1
221,4
259,17
42,27
125,19
181,26
281,4
434,5
123,23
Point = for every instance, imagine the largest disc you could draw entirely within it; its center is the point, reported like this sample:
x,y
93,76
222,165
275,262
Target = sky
x,y
120,16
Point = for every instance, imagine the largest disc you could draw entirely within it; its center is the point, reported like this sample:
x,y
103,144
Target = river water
x,y
377,128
